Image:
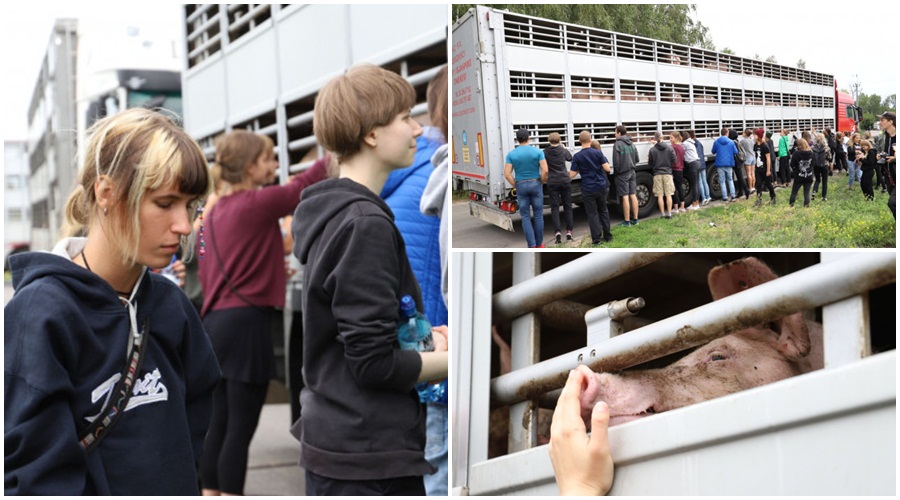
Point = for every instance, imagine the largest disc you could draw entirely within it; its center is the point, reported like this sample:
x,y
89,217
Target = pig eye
x,y
717,357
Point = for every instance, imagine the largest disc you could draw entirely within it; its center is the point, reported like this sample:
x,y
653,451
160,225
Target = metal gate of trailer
x,y
832,431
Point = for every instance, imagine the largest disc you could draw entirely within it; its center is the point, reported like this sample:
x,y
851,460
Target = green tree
x,y
872,106
801,64
673,23
771,59
727,50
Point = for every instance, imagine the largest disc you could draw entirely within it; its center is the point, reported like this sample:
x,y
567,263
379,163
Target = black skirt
x,y
242,340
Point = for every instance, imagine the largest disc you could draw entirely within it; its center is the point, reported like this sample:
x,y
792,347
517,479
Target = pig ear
x,y
793,336
737,276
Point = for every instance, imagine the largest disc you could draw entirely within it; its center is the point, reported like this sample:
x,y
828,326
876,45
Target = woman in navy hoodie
x,y
89,314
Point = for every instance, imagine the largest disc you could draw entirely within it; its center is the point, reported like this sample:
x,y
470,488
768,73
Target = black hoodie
x,y
361,417
625,155
65,344
662,158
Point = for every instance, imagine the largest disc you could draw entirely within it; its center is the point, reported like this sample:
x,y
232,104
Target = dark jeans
x,y
821,173
763,180
741,188
880,174
561,192
796,187
598,214
784,169
866,183
677,178
693,177
317,485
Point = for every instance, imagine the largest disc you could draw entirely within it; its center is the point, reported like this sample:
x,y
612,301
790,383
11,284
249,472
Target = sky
x,y
823,39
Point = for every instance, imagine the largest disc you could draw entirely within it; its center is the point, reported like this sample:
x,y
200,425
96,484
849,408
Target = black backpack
x,y
821,157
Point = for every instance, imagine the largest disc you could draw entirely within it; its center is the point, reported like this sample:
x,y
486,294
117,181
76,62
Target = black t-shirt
x,y
761,151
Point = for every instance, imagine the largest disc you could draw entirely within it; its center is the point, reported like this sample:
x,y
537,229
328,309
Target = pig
x,y
749,358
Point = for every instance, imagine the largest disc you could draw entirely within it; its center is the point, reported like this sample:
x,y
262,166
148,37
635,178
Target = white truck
x,y
259,67
512,71
828,432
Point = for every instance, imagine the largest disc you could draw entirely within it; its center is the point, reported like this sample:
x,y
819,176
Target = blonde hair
x,y
237,150
865,144
675,136
353,104
820,139
554,138
584,137
802,144
139,150
437,100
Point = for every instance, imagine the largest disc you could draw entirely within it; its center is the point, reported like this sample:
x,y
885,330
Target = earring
x,y
201,233
105,211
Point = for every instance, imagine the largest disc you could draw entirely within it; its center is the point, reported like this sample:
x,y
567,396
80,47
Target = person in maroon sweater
x,y
243,279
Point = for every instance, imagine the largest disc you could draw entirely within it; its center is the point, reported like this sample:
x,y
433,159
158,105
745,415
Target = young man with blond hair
x,y
362,427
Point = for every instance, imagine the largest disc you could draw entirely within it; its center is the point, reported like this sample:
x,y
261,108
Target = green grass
x,y
460,195
846,220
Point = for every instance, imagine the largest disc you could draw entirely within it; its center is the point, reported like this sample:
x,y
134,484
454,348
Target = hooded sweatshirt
x,y
66,340
724,149
361,418
624,156
436,201
662,158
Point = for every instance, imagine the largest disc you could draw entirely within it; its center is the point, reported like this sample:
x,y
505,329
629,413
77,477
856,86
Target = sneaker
x,y
705,202
540,246
596,242
626,223
568,235
772,201
667,216
813,196
634,222
824,199
558,238
758,202
692,207
682,210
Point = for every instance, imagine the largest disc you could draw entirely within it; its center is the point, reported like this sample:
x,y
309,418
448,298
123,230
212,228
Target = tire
x,y
644,192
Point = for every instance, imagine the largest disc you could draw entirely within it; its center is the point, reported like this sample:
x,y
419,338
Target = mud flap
x,y
489,213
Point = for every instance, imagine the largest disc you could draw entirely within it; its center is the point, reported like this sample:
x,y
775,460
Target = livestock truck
x,y
831,431
259,67
514,71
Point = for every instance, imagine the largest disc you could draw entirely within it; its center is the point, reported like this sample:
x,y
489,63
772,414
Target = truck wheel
x,y
644,192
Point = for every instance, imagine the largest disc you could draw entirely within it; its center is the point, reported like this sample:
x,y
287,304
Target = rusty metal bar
x,y
806,289
566,280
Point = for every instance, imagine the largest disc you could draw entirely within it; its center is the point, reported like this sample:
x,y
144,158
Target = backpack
x,y
805,168
821,157
741,152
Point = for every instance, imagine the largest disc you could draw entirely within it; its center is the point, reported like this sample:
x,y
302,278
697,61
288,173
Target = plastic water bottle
x,y
414,334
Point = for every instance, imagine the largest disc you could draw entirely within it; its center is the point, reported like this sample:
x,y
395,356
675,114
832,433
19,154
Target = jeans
x,y
561,192
821,174
436,450
852,173
743,189
598,214
530,195
796,187
704,183
726,173
677,178
692,170
763,181
784,171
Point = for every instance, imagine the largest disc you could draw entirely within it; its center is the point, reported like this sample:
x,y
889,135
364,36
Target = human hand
x,y
582,464
180,272
441,337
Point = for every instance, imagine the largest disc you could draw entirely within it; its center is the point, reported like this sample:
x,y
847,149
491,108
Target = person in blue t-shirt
x,y
530,169
593,166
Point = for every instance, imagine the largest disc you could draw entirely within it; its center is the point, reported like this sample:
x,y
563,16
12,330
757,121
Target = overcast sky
x,y
820,33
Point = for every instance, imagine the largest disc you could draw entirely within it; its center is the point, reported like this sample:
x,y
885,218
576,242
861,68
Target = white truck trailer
x,y
512,71
259,67
828,432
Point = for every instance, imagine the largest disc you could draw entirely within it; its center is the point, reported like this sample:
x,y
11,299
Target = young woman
x,y
243,279
108,373
763,167
701,173
692,167
802,166
821,165
677,171
867,158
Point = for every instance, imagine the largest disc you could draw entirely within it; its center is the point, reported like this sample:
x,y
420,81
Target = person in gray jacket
x,y
624,158
661,159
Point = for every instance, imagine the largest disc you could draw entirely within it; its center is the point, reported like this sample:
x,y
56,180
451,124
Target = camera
x,y
882,158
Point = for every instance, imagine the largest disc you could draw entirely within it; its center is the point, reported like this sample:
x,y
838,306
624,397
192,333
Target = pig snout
x,y
628,399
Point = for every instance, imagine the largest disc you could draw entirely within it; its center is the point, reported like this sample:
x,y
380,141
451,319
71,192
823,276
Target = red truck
x,y
848,114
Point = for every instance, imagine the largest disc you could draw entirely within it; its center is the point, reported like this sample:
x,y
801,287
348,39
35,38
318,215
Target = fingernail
x,y
601,407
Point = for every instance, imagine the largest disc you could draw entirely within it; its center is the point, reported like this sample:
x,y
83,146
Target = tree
x,y
727,50
673,23
771,59
872,106
801,64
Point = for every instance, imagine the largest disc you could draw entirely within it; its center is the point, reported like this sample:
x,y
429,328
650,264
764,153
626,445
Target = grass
x,y
459,195
846,220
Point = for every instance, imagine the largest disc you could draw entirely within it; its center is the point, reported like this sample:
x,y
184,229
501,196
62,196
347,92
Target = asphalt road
x,y
472,232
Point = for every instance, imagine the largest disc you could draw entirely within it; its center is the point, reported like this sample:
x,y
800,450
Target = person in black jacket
x,y
90,315
559,184
362,427
868,161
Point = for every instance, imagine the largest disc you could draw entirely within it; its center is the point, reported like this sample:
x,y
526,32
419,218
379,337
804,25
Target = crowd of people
x,y
128,386
747,163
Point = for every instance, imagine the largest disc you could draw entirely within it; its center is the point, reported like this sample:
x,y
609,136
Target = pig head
x,y
749,358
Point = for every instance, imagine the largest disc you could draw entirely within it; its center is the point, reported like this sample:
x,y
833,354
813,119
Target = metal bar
x,y
806,289
846,326
568,279
206,45
565,315
461,375
201,9
525,345
200,30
